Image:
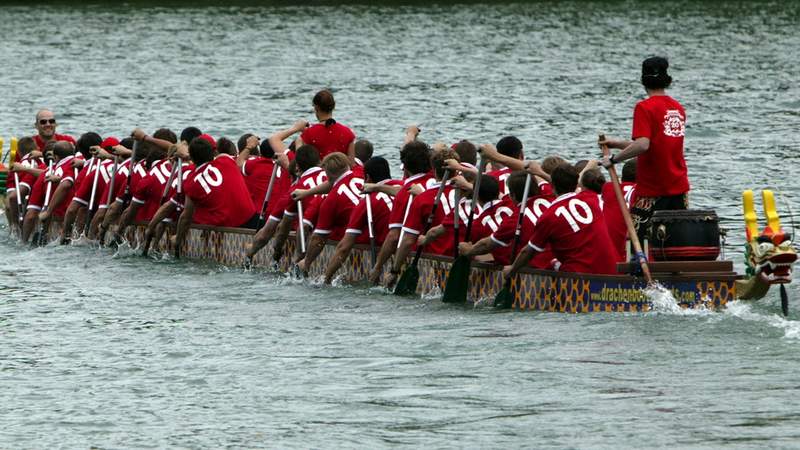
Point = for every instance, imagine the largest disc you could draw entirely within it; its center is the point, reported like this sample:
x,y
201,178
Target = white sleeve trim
x,y
36,207
80,201
137,200
395,225
353,231
498,241
538,249
410,230
318,231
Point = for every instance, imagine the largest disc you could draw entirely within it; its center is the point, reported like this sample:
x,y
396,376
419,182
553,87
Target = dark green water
x,y
119,352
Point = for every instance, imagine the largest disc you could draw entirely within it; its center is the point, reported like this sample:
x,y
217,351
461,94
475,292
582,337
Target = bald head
x,y
45,124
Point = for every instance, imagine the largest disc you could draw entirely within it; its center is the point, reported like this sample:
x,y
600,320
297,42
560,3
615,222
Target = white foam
x,y
743,310
664,302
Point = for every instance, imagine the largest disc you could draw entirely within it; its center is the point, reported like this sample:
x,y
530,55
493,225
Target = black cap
x,y
654,73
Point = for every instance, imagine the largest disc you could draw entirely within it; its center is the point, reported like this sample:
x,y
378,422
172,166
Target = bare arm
x,y
314,248
432,234
112,214
385,188
482,247
183,223
127,217
411,134
633,149
402,252
339,256
241,158
522,260
322,188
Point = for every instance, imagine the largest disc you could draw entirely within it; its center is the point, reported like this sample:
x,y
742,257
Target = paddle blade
x,y
457,285
784,301
407,284
505,298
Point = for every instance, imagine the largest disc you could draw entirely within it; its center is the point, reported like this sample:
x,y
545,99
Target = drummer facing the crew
x,y
659,125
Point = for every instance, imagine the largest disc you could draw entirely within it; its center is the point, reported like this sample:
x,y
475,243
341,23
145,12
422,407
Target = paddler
x,y
659,125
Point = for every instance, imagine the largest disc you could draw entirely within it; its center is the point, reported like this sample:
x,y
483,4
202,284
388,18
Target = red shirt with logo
x,y
25,179
219,194
336,208
574,228
421,208
147,193
40,195
83,192
506,231
381,204
501,175
333,138
257,171
311,178
661,170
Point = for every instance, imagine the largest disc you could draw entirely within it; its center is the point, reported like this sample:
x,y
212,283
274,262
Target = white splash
x,y
664,302
743,310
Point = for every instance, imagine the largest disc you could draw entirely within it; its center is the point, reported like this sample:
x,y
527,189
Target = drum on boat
x,y
684,235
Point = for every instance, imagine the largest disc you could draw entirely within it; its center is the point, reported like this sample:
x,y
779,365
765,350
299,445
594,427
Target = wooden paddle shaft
x,y
172,174
300,227
475,190
522,208
429,222
269,191
623,206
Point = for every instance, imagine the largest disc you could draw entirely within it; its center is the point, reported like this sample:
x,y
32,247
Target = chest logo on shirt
x,y
674,123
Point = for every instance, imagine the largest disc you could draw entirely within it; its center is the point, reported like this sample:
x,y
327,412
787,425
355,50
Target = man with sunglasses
x,y
46,129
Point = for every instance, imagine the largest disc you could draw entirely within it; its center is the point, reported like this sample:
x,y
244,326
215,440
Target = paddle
x,y
265,204
93,165
172,174
102,236
623,206
179,190
505,298
40,238
370,230
128,193
457,285
407,284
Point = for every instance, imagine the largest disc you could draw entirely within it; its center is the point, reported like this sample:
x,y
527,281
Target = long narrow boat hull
x,y
533,289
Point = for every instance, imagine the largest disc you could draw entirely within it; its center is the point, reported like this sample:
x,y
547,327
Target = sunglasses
x,y
46,121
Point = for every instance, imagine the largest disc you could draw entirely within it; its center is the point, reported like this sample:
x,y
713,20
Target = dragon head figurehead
x,y
770,255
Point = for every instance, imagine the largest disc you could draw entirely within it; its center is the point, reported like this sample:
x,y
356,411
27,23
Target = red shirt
x,y
149,190
311,178
26,179
58,137
358,169
176,197
335,138
219,194
336,207
257,172
139,173
501,175
381,204
506,231
661,170
421,207
617,230
574,228
39,193
118,179
490,216
83,192
398,213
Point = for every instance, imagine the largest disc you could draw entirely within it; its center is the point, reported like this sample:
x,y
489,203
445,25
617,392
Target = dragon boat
x,y
769,256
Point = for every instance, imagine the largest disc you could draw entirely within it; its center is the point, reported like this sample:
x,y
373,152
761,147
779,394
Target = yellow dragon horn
x,y
13,154
771,213
750,217
1,149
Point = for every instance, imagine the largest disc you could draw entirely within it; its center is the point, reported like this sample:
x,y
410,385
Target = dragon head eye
x,y
763,248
